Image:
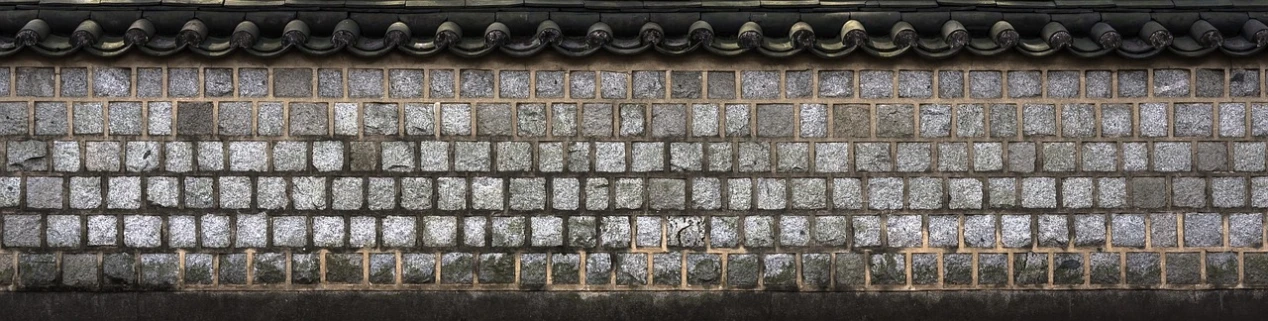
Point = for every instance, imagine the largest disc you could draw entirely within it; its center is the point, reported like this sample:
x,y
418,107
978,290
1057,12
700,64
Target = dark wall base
x,y
384,306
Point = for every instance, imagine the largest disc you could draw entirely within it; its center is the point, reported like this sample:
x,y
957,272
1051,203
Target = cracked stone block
x,y
685,84
649,84
32,155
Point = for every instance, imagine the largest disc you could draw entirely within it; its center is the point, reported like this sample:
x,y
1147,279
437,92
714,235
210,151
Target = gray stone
x,y
472,156
872,157
903,230
1063,84
440,83
564,122
298,82
400,231
1244,230
44,192
268,268
13,118
181,231
913,157
486,193
596,120
1098,84
103,231
348,268
32,155
970,120
1153,120
418,268
124,193
407,83
1039,120
51,118
74,81
1193,120
685,84
1210,82
1003,120
1025,84
527,194
531,118
1059,157
346,192
565,268
915,84
330,83
979,231
835,84
760,84
85,192
615,84
547,231
581,84
867,231
737,120
965,193
847,193
721,84
253,82
365,83
1203,230
35,81
440,231
792,157
953,157
648,84
508,231
1243,83
1171,157
1116,120
885,193
988,157
22,230
1171,82
598,268
288,231
363,231
182,82
89,118
549,84
1015,231
985,84
1131,83
78,270
633,119
895,120
149,82
142,231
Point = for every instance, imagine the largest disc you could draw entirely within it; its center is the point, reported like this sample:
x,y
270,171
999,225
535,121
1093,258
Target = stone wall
x,y
619,173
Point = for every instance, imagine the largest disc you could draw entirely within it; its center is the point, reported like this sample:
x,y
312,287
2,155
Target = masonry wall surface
x,y
632,174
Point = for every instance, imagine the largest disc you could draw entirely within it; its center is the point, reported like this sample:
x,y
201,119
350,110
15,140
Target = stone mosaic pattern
x,y
561,179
